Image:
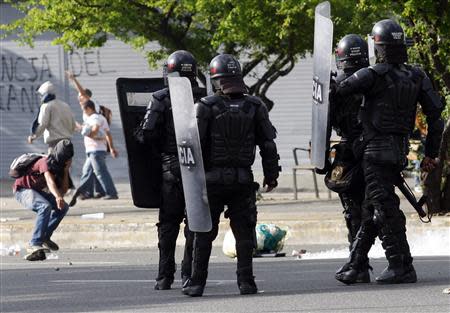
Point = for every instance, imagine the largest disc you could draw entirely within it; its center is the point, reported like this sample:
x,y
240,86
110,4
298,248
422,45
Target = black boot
x,y
246,280
195,285
356,270
166,267
362,275
164,283
397,272
193,288
400,269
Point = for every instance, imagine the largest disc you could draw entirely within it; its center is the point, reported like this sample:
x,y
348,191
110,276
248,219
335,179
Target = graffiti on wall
x,y
20,76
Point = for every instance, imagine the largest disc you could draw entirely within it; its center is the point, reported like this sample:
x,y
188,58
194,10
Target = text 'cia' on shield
x,y
186,156
317,93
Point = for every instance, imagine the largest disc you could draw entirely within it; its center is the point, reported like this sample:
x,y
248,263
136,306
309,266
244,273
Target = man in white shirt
x,y
55,120
97,137
95,190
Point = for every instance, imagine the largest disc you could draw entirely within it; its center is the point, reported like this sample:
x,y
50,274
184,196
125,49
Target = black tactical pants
x,y
382,215
171,214
352,198
241,210
352,201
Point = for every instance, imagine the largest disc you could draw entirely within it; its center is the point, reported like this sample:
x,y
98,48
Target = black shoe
x,y
98,196
189,289
36,253
163,284
247,287
400,275
51,245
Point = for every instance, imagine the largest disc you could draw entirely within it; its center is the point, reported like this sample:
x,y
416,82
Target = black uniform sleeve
x,y
359,82
203,119
432,107
265,135
150,128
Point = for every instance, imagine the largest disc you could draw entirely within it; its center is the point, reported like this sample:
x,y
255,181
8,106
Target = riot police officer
x,y
345,174
391,89
231,124
157,129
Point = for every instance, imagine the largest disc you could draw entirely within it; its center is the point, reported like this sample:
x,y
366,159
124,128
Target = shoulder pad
x,y
161,94
418,70
253,99
380,68
211,100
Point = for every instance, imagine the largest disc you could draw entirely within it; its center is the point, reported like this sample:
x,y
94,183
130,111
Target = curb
x,y
140,232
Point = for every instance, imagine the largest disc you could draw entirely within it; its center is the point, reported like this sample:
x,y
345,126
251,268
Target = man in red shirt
x,y
42,190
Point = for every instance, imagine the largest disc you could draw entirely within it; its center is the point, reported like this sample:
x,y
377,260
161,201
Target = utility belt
x,y
229,175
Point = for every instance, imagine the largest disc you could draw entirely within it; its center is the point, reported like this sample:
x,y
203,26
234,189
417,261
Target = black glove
x,y
270,183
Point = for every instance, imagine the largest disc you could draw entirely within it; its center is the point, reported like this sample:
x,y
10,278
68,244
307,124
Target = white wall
x,y
23,69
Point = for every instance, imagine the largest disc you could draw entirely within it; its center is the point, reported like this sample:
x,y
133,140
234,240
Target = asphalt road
x,y
122,281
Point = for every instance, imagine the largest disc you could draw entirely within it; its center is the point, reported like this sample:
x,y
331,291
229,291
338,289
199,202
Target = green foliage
x,y
270,35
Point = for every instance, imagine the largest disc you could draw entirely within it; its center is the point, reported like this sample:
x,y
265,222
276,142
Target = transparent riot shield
x,y
190,154
323,41
144,163
371,46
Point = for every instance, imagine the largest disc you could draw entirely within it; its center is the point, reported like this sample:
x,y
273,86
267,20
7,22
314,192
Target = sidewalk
x,y
121,225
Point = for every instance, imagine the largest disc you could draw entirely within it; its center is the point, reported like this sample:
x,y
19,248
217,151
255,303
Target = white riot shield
x,y
371,46
323,45
190,154
209,87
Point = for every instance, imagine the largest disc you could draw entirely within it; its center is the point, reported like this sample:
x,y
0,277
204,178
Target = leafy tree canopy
x,y
270,35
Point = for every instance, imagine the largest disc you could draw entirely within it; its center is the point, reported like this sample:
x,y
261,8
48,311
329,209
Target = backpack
x,y
21,165
107,113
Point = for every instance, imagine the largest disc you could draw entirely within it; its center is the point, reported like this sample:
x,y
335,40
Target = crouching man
x,y
41,190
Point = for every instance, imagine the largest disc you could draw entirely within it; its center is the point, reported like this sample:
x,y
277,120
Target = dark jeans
x,y
48,214
96,163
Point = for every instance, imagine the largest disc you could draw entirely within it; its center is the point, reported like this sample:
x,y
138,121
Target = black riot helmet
x,y
224,65
389,40
226,74
182,62
352,52
388,32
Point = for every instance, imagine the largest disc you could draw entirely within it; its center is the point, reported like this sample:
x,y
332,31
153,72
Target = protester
x,y
96,139
55,120
50,172
96,191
